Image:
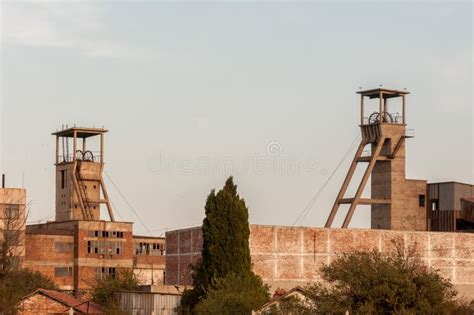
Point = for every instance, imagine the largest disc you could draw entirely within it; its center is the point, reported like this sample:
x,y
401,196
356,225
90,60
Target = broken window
x,y
63,271
102,272
421,200
105,247
149,249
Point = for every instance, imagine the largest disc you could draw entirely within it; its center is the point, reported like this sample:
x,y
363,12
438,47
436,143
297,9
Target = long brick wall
x,y
288,256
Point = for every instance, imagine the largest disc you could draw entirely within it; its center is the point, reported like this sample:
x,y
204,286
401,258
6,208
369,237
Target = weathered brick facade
x,y
40,304
75,253
288,256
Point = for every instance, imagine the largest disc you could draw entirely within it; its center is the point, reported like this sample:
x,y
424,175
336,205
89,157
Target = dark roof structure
x,y
78,305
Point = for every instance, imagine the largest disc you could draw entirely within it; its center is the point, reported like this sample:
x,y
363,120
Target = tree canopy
x,y
378,283
16,284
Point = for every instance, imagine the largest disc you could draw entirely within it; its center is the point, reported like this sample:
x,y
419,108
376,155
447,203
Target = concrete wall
x,y
15,196
288,256
67,200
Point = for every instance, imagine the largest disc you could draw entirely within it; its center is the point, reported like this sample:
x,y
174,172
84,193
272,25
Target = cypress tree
x,y
225,235
225,251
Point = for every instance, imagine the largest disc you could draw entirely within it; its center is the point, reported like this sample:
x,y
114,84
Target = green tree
x,y
16,284
103,289
376,283
225,250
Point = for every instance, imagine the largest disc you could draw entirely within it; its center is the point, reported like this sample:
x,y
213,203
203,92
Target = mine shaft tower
x,y
80,188
396,203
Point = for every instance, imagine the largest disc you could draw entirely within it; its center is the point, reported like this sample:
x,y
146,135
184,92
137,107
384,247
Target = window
x,y
63,247
12,237
102,272
63,271
105,247
421,200
434,204
149,249
63,179
12,211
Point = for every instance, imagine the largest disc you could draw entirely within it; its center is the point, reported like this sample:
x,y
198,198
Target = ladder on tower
x,y
88,214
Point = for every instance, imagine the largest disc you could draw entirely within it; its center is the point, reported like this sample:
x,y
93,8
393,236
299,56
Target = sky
x,y
192,93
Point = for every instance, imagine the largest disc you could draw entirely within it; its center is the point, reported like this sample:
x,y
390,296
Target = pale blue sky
x,y
194,92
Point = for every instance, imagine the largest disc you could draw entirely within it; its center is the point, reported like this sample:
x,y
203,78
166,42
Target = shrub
x,y
16,284
103,289
234,295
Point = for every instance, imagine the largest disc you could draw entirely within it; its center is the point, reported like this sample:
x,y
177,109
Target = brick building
x,y
75,253
79,246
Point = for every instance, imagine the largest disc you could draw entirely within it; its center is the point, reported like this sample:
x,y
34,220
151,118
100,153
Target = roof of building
x,y
82,306
157,289
281,294
386,93
81,132
72,222
450,182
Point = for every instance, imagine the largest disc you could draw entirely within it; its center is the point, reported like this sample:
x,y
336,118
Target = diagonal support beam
x,y
106,195
347,180
397,147
77,189
361,187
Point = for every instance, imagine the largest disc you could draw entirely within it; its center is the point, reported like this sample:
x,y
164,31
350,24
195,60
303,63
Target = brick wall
x,y
287,256
40,304
42,256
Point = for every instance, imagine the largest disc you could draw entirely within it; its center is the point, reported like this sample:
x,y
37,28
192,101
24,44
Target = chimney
x,y
3,180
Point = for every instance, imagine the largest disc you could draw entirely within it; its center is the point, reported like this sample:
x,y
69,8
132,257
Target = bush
x,y
375,283
234,295
103,289
16,284
371,282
